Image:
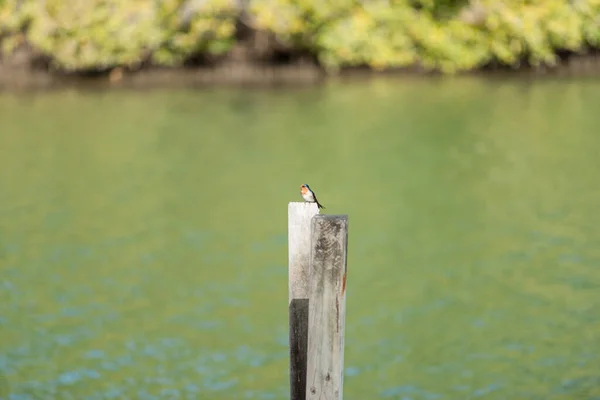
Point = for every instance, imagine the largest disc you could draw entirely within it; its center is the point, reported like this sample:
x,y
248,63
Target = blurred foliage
x,y
100,34
446,35
195,27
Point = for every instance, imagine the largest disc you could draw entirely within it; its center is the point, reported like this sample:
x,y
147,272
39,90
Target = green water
x,y
143,238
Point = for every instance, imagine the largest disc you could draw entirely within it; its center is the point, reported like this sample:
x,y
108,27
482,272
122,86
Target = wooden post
x,y
299,228
327,307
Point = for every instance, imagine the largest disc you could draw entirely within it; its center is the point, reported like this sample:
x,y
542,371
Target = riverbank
x,y
17,77
257,42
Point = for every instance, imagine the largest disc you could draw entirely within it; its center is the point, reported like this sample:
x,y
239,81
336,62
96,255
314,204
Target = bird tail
x,y
319,205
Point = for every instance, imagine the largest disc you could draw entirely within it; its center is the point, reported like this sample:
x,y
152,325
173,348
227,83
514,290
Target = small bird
x,y
309,196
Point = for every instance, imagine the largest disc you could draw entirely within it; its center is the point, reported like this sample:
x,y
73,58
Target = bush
x,y
446,35
101,34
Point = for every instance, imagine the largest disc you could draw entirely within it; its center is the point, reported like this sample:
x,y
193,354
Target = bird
x,y
309,196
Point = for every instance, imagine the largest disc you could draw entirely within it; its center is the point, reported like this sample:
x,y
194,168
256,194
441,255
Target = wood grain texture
x,y
327,307
299,230
299,244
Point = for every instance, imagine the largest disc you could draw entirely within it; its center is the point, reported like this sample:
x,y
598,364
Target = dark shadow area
x,y
298,348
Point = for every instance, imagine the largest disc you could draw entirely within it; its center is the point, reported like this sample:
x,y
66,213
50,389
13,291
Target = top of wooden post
x,y
299,219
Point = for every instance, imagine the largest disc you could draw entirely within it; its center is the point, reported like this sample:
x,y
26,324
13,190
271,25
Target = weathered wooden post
x,y
299,243
327,307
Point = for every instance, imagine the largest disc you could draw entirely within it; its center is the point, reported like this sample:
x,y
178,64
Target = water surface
x,y
143,238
